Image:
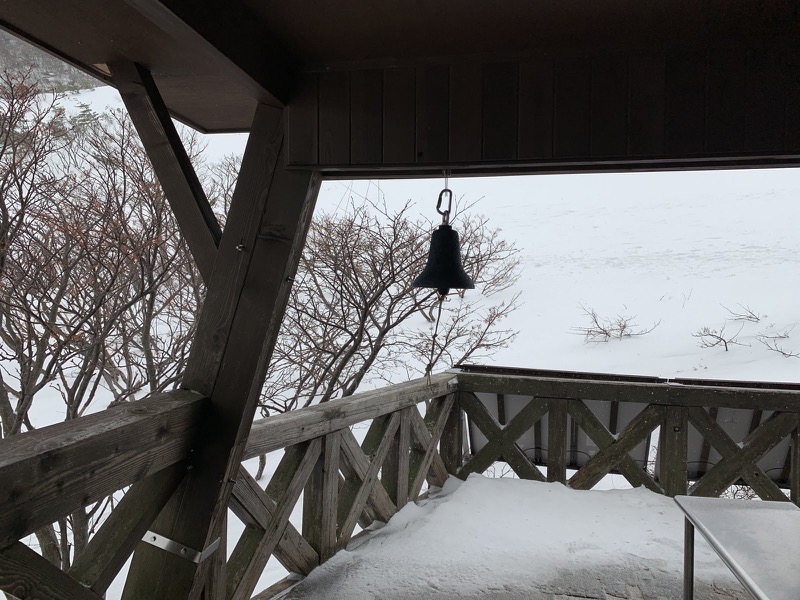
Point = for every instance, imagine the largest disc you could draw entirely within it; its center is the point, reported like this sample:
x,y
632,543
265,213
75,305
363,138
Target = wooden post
x,y
673,441
557,440
247,294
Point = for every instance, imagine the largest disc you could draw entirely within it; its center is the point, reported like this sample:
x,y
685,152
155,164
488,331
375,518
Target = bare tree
x,y
354,314
97,291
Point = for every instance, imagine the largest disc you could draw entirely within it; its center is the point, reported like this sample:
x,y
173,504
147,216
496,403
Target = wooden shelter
x,y
354,89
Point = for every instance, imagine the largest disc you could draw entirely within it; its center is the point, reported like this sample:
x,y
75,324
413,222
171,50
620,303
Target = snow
x,y
508,538
669,248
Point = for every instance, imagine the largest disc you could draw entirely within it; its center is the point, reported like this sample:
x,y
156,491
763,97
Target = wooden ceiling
x,y
213,61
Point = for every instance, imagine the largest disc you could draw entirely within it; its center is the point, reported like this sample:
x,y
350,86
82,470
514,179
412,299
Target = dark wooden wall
x,y
613,111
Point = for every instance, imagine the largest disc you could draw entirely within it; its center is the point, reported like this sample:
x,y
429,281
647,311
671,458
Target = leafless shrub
x,y
601,329
740,492
710,338
773,343
744,313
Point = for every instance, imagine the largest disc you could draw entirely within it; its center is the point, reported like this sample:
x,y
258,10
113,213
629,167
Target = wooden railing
x,y
564,427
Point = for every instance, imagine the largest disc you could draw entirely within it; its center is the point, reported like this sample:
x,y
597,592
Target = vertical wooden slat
x,y
646,97
674,438
610,106
557,440
726,109
366,117
432,122
685,102
572,107
794,478
334,118
399,115
535,109
452,442
396,466
766,99
302,122
465,112
500,110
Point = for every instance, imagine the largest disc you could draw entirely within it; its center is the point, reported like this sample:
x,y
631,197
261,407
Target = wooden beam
x,y
280,431
394,474
452,442
794,478
360,461
163,145
232,38
320,499
355,501
596,431
502,442
605,460
112,545
676,394
27,576
755,445
256,510
49,472
728,449
246,298
428,432
251,554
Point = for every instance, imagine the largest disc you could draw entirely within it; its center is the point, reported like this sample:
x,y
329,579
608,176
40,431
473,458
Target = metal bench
x,y
758,541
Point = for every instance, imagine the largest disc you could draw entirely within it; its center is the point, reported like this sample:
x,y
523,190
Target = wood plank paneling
x,y
500,110
572,107
647,84
726,109
465,112
791,138
334,118
685,102
609,106
432,122
399,116
366,117
766,100
302,122
535,119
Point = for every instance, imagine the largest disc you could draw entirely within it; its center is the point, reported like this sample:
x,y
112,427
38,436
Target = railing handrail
x,y
667,392
302,425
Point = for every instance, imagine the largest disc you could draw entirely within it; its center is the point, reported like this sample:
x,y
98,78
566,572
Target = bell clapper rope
x,y
429,368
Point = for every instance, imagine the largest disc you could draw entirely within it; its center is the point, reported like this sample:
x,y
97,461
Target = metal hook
x,y
446,213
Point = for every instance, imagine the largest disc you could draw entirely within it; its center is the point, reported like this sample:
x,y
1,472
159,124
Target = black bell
x,y
443,270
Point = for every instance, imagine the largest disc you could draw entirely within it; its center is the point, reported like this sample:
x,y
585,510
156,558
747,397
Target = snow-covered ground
x,y
511,539
670,248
